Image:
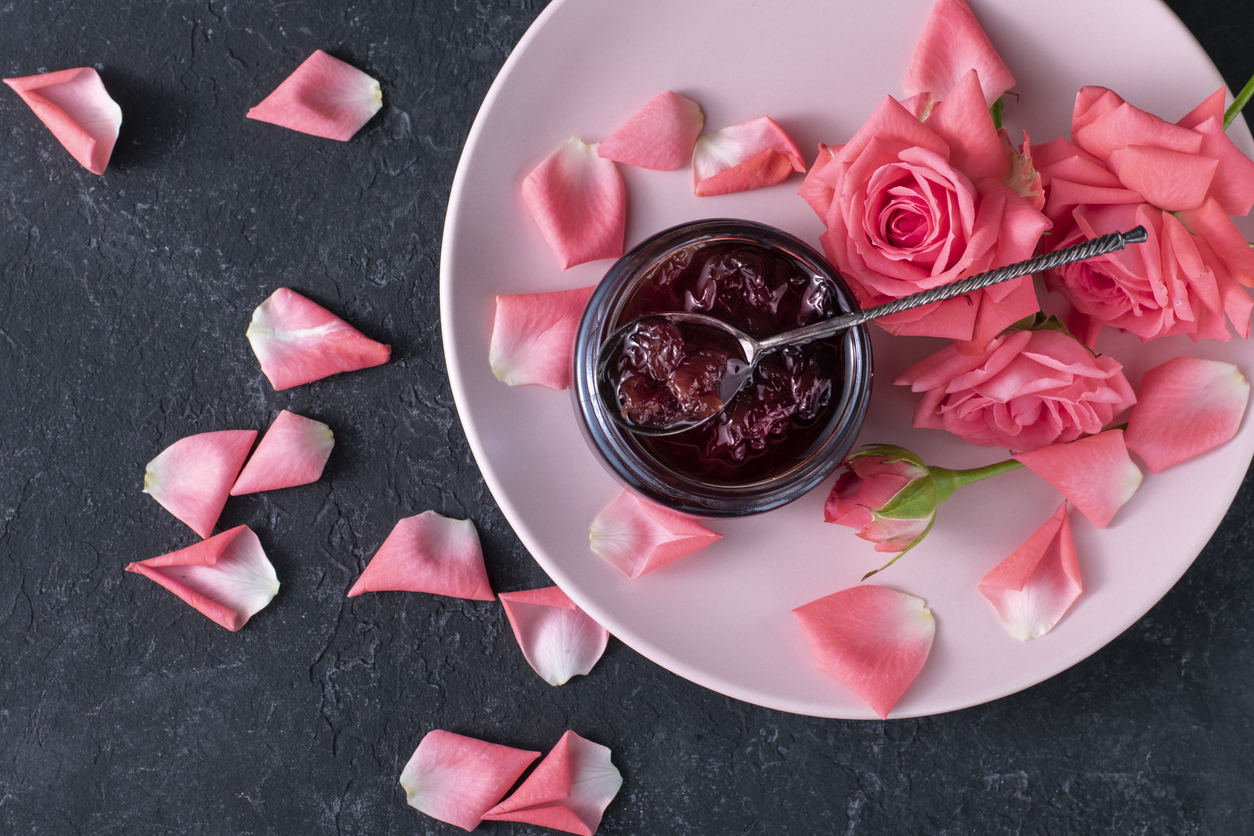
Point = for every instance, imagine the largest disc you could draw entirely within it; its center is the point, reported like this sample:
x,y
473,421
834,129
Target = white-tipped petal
x,y
636,536
227,578
457,779
558,639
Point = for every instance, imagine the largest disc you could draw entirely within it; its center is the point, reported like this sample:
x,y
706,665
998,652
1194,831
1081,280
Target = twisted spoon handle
x,y
1079,252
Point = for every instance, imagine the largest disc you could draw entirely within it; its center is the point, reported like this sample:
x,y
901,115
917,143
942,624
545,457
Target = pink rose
x,y
887,494
1181,182
1026,390
915,204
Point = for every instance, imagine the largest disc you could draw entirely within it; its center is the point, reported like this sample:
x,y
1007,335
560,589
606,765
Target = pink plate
x,y
722,617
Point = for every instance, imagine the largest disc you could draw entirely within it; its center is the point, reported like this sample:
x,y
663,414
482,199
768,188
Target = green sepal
x,y
899,554
913,502
891,452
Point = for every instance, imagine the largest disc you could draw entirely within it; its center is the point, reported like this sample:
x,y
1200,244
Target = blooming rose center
x,y
910,216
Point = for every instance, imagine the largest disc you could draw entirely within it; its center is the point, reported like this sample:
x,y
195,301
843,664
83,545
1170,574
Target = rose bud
x,y
890,496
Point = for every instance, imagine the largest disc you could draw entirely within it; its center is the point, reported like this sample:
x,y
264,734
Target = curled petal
x,y
659,136
750,155
874,640
814,189
298,341
952,44
579,202
457,779
292,452
1038,582
1095,473
429,553
636,536
77,109
558,639
568,791
1185,407
227,578
193,476
533,337
324,97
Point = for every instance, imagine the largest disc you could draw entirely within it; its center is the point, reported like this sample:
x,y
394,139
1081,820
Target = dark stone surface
x,y
123,302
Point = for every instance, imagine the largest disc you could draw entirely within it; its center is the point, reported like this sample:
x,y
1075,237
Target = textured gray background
x,y
123,302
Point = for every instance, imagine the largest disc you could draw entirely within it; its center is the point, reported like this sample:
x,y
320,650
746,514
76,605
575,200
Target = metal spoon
x,y
744,351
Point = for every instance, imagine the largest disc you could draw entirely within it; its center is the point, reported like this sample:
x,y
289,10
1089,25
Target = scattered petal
x,y
457,779
750,155
558,639
324,97
193,476
636,536
429,553
580,203
1185,407
533,337
874,640
292,452
77,109
568,791
298,341
1095,473
227,578
953,44
659,136
1038,582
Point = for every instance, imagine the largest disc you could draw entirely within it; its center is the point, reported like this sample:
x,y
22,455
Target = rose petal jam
x,y
788,401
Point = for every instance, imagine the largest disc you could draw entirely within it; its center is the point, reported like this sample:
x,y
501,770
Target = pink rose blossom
x,y
1026,390
864,497
1182,182
920,204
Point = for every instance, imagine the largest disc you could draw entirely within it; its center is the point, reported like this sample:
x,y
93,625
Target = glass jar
x,y
698,471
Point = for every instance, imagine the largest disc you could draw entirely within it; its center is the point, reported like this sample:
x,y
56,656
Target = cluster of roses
x,y
930,190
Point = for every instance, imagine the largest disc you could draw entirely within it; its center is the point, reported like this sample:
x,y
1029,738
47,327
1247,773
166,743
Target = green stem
x,y
1239,103
947,481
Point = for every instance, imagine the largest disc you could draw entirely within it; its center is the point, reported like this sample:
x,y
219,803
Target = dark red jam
x,y
787,402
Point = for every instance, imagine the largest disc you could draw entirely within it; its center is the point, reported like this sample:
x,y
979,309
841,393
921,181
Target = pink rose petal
x,y
429,553
1095,473
193,476
963,121
1168,179
1185,407
749,155
872,639
457,779
952,44
568,791
659,136
292,452
580,203
558,639
814,190
1038,582
324,97
298,341
533,337
75,106
636,536
227,578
